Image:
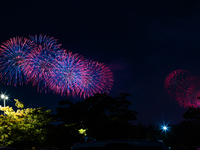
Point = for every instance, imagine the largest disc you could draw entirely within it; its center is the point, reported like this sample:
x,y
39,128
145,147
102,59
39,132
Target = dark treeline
x,y
105,117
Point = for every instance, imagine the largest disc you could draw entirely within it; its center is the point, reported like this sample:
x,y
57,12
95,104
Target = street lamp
x,y
4,97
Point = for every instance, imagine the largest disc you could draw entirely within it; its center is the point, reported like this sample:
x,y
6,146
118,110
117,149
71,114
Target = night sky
x,y
141,42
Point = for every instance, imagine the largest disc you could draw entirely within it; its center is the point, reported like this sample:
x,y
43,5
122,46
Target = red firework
x,y
174,81
183,87
193,92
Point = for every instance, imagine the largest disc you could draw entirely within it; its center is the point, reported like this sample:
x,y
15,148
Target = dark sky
x,y
140,41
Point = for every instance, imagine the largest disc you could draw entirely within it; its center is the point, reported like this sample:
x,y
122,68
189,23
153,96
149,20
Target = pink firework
x,y
41,61
174,81
184,88
100,79
69,74
193,92
13,54
184,94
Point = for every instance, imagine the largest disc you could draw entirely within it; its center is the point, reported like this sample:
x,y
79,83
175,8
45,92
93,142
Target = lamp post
x,y
4,97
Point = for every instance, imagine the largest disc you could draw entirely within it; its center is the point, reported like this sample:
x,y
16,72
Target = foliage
x,y
103,116
24,126
192,114
188,129
99,106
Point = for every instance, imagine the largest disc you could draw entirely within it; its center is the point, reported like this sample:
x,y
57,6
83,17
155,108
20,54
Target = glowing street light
x,y
4,97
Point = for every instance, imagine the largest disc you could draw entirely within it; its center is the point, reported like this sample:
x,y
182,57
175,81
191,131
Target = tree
x,y
188,131
101,115
192,114
23,127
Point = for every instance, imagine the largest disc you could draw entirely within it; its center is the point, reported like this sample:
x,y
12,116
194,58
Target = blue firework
x,y
49,67
68,74
13,54
41,61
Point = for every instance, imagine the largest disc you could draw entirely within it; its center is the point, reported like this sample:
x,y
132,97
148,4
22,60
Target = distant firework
x,y
185,95
174,81
13,53
183,87
193,92
43,62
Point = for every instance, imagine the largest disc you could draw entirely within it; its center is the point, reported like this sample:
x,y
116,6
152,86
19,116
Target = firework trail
x,y
13,54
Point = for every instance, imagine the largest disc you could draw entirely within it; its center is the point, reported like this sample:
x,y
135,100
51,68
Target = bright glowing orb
x,y
164,128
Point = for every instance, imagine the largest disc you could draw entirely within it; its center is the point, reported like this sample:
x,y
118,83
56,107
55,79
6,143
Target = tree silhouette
x,y
187,132
103,117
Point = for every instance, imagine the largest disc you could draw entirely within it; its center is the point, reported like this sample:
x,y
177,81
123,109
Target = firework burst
x,y
41,61
184,88
100,79
68,74
174,81
193,92
13,54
